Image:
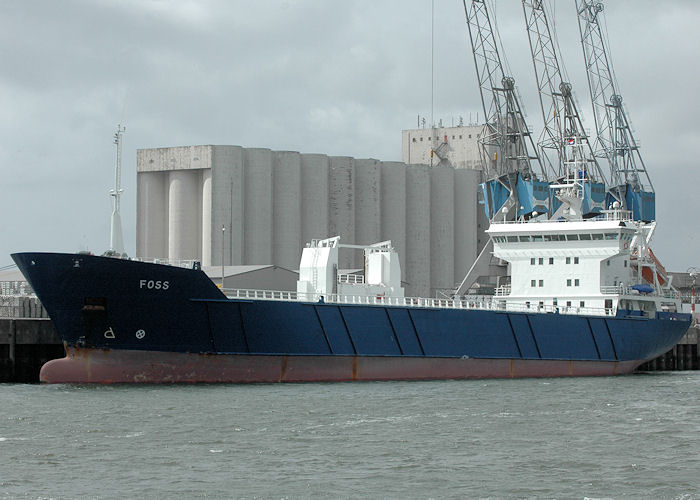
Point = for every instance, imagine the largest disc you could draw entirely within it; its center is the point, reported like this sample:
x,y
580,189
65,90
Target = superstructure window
x,y
541,261
575,260
568,282
524,239
584,236
532,261
551,260
572,237
577,282
512,239
541,283
533,283
582,303
568,260
597,236
610,236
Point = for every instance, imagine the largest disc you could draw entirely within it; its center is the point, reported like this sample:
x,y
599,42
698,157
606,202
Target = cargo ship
x,y
577,301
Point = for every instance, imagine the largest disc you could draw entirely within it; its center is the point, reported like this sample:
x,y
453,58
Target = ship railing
x,y
558,309
233,293
186,263
628,290
471,302
351,279
503,290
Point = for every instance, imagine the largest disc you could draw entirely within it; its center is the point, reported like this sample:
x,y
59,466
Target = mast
x,y
116,240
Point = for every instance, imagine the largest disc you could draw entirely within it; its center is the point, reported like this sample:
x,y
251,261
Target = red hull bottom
x,y
121,366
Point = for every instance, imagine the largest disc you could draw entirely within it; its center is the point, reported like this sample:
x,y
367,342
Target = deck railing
x,y
476,302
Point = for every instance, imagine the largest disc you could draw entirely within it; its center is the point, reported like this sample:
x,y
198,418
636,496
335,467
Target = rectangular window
x,y
512,239
551,260
576,282
532,261
585,236
568,303
541,283
582,303
575,260
568,282
568,260
625,263
527,304
597,236
533,283
524,239
572,237
610,236
536,237
541,261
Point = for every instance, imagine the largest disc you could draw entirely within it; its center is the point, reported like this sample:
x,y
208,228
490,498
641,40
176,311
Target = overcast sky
x,y
341,78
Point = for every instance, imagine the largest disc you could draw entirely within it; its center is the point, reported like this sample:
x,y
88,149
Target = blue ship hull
x,y
128,321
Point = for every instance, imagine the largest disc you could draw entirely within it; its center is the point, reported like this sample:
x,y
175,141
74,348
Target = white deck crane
x,y
564,144
630,181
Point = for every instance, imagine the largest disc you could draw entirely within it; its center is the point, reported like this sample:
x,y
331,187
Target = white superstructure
x,y
571,266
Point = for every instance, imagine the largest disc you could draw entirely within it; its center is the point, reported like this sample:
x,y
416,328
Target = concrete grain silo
x,y
286,209
393,208
258,227
271,203
315,174
442,228
416,262
342,205
368,182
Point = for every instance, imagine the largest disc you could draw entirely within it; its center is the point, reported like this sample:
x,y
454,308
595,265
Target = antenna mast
x,y
116,240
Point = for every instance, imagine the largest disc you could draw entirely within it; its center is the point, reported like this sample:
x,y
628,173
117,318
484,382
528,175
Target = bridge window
x,y
611,236
524,239
585,236
512,239
572,237
597,236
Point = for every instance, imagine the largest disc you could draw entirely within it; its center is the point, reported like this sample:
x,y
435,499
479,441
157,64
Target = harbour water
x,y
625,437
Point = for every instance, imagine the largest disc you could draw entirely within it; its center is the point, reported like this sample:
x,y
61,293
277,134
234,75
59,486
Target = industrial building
x,y
455,146
257,207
